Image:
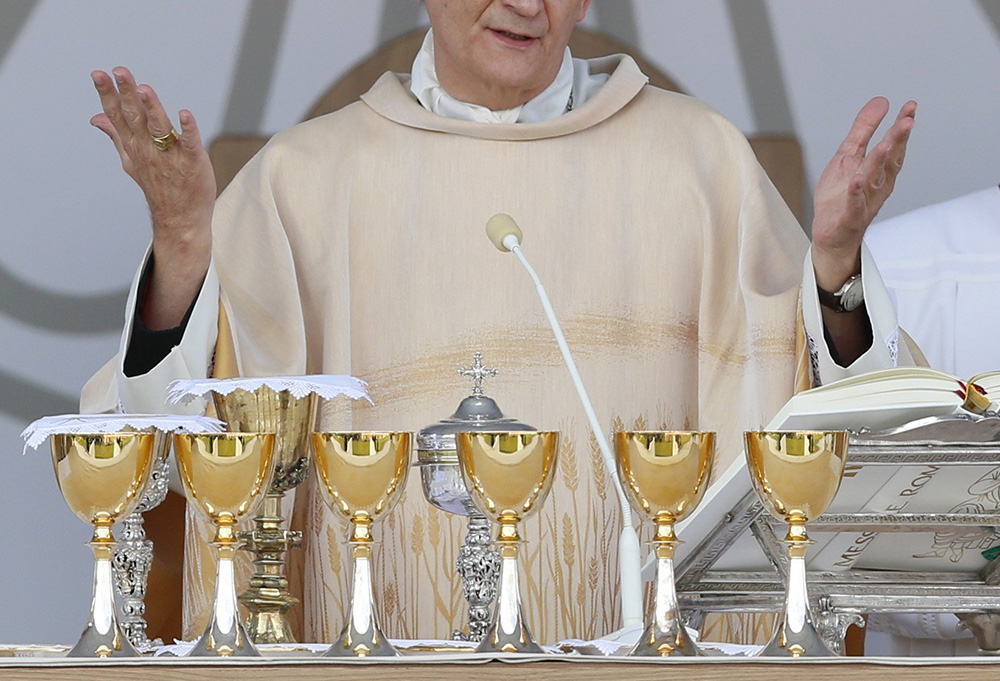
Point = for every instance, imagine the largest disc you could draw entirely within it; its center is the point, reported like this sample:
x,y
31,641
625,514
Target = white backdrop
x,y
72,226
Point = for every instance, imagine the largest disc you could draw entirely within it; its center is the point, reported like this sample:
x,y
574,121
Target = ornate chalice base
x,y
508,475
796,475
101,477
292,419
362,475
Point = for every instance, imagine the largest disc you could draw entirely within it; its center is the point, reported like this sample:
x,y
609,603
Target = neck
x,y
492,96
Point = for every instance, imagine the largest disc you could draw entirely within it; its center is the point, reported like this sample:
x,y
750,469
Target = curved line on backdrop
x,y
25,302
256,66
617,18
763,77
61,313
16,14
25,401
992,10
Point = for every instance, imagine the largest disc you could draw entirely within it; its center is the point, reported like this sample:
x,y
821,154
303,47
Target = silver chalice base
x,y
133,560
477,564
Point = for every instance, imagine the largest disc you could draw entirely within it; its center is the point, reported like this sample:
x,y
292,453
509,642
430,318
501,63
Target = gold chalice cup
x,y
796,475
665,475
225,476
292,420
102,477
508,475
362,475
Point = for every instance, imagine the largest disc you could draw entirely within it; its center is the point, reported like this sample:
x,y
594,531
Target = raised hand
x,y
853,188
176,176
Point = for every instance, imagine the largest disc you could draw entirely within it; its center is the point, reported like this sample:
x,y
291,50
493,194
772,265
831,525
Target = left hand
x,y
852,189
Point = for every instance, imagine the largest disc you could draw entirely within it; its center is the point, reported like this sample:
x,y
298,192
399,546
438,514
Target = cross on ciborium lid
x,y
476,412
477,373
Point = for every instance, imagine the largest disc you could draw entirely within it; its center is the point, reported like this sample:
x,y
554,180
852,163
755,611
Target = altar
x,y
447,668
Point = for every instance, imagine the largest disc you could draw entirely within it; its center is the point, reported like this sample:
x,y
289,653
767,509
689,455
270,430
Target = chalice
x,y
665,475
225,476
292,420
508,475
102,477
362,475
796,475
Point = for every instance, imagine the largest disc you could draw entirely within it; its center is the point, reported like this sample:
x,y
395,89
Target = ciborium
x,y
292,420
225,477
362,475
796,475
102,478
665,475
508,475
478,564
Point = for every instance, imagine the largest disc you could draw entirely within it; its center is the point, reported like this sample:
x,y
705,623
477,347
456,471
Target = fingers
x,y
899,135
864,127
157,121
102,123
111,103
132,107
134,112
873,168
190,135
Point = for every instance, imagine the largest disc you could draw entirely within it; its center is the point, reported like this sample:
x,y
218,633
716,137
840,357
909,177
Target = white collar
x,y
573,80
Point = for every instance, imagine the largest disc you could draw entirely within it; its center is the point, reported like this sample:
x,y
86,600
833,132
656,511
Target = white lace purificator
x,y
325,386
74,424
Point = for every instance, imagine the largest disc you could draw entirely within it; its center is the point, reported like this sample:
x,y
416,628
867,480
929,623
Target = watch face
x,y
852,298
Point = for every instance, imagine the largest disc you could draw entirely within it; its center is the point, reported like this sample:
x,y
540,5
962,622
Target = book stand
x,y
840,598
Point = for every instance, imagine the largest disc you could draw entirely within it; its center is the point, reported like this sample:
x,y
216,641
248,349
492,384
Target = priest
x,y
354,244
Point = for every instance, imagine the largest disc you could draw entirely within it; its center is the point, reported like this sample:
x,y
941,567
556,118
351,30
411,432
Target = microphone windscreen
x,y
502,225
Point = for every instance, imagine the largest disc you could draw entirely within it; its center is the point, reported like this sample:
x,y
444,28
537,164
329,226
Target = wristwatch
x,y
847,299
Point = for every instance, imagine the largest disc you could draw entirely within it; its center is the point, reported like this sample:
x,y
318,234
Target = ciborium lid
x,y
477,412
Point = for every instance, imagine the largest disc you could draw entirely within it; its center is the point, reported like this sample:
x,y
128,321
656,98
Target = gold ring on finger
x,y
166,142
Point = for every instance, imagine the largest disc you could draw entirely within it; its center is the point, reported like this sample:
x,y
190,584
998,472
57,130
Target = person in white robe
x,y
353,244
941,264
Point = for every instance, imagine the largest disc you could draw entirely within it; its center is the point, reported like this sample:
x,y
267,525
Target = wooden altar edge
x,y
502,668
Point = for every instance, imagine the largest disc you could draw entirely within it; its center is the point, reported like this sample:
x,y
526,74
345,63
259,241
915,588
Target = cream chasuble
x,y
355,244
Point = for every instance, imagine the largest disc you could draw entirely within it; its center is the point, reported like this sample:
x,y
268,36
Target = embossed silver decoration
x,y
479,566
832,625
133,559
477,563
841,597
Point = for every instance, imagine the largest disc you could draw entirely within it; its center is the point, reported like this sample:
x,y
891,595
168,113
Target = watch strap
x,y
835,300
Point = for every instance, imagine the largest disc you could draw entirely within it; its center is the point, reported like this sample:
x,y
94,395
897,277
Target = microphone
x,y
503,231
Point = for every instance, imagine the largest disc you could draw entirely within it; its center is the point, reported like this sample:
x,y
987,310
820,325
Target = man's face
x,y
501,53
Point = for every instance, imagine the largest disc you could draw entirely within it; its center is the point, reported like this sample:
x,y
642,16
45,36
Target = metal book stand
x,y
841,598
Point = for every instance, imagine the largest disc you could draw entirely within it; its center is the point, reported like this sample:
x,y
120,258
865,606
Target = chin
x,y
515,76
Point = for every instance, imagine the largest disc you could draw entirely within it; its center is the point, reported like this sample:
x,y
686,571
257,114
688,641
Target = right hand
x,y
179,186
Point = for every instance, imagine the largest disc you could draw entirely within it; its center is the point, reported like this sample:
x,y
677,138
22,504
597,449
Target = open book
x,y
884,399
877,401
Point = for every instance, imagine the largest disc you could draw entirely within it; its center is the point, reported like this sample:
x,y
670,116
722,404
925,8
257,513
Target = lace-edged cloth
x,y
39,431
326,386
